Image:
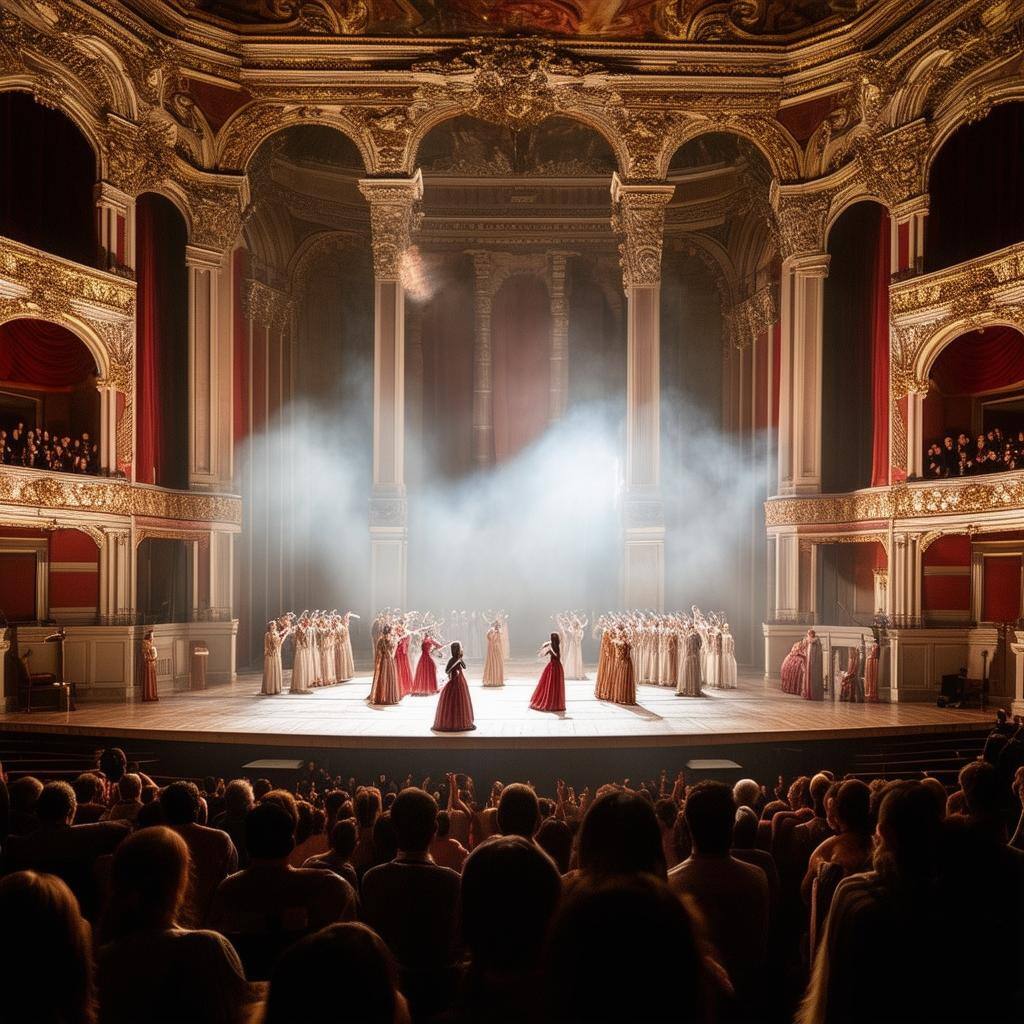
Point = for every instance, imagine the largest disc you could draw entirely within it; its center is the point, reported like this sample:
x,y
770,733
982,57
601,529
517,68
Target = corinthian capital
x,y
394,216
638,217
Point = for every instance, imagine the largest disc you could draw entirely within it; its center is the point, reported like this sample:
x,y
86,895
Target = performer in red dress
x,y
425,681
455,709
550,692
403,666
792,671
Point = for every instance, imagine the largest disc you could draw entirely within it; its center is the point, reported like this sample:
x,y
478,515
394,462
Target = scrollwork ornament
x,y
638,217
394,217
801,219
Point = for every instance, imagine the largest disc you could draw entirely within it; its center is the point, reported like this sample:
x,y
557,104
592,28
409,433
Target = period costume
x,y
623,683
714,660
849,686
494,663
813,682
403,666
302,669
149,686
572,642
792,671
424,683
689,669
871,674
605,657
272,672
550,692
455,708
384,688
346,662
730,674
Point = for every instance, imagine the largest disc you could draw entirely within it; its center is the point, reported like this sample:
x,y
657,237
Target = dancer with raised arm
x,y
494,663
455,708
384,688
424,683
272,672
302,668
550,692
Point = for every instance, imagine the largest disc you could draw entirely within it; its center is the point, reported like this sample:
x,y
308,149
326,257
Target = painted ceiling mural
x,y
700,20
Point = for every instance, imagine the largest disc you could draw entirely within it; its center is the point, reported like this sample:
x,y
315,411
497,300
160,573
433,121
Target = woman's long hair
x,y
45,952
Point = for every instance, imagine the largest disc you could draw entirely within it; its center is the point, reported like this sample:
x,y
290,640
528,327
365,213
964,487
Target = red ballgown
x,y
550,692
792,671
424,683
455,708
403,667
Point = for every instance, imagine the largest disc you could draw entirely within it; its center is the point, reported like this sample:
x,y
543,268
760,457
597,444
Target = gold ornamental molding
x,y
928,312
1002,493
41,490
747,319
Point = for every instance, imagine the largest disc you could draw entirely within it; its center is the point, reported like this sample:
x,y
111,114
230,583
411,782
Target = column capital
x,y
802,215
910,208
809,264
202,257
110,195
394,218
638,217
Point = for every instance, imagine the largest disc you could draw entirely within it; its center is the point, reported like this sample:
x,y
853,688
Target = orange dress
x,y
149,688
623,684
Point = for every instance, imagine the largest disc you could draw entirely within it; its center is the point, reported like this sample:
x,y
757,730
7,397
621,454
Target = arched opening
x,y
49,405
976,204
973,414
855,351
164,580
161,344
47,175
848,586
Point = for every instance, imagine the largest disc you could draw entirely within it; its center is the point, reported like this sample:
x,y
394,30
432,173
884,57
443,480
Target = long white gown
x,y
272,672
713,662
302,670
494,663
729,672
572,644
348,661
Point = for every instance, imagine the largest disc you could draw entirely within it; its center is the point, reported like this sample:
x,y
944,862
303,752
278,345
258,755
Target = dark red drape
x,y
42,353
448,379
148,438
980,361
880,357
521,346
161,343
976,203
1001,589
18,586
47,174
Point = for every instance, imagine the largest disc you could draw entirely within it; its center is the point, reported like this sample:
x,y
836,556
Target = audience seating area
x,y
883,895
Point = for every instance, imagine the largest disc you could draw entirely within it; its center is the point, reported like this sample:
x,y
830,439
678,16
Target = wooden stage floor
x,y
339,717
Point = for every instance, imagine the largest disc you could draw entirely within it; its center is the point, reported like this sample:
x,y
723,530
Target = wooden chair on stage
x,y
44,688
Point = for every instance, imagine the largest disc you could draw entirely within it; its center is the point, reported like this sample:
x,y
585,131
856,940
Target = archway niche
x,y
975,400
976,205
47,175
49,405
855,351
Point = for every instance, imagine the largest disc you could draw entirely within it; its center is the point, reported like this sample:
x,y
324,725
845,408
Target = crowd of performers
x,y
681,651
803,671
685,652
323,650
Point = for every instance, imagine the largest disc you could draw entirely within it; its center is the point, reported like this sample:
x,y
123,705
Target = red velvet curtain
x,y
18,586
46,180
1001,589
880,357
42,353
447,333
980,361
521,350
976,202
148,436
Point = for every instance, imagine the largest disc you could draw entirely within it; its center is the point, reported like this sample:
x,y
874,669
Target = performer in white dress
x,y
571,626
347,668
729,672
328,669
713,661
302,670
272,673
494,664
689,670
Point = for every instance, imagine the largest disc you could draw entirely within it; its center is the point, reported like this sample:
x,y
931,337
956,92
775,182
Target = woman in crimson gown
x,y
403,666
550,692
424,683
792,671
455,709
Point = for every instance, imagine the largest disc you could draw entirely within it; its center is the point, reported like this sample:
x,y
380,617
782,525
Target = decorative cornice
x,y
42,490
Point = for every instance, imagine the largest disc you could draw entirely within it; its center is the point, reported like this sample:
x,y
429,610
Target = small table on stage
x,y
197,676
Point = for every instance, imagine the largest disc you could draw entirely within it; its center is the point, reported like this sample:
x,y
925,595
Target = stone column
x,y
206,370
108,425
414,375
907,222
787,578
117,575
638,216
115,222
904,590
393,219
803,280
1017,705
221,570
559,395
483,367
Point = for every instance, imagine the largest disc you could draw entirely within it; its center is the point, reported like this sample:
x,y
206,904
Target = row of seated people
x,y
39,449
990,452
830,900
